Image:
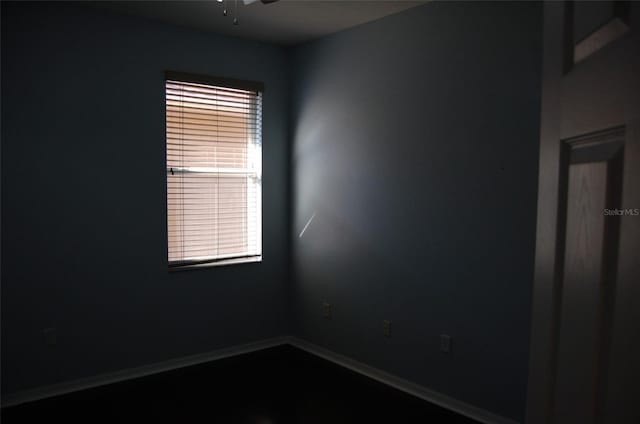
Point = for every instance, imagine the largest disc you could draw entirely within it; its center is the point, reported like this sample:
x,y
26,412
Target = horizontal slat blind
x,y
214,172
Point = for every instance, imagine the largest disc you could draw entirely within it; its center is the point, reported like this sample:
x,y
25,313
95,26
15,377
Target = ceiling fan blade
x,y
248,2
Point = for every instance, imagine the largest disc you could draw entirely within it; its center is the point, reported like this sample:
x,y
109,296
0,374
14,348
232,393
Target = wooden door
x,y
585,345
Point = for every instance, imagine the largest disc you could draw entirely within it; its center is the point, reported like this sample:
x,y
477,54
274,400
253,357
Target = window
x,y
214,170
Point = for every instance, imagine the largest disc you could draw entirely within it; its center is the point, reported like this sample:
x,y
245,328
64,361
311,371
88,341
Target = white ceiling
x,y
282,22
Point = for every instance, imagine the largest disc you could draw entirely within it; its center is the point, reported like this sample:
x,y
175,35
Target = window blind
x,y
214,172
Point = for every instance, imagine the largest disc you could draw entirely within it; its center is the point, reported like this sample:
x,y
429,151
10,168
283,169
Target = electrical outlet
x,y
50,336
445,343
386,328
326,310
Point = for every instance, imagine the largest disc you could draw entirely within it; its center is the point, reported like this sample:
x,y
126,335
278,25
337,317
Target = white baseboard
x,y
130,373
406,386
414,389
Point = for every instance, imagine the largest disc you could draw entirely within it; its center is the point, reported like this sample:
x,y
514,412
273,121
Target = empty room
x,y
303,211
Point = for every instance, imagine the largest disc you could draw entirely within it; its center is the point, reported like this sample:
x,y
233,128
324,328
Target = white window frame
x,y
253,171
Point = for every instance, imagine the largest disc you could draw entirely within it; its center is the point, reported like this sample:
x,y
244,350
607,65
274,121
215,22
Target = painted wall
x,y
84,197
415,153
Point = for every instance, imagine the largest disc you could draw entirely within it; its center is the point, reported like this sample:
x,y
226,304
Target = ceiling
x,y
283,22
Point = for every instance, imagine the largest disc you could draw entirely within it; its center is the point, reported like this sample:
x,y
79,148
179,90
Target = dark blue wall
x,y
84,201
415,146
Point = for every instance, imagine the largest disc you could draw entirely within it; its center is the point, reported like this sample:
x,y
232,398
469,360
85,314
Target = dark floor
x,y
277,385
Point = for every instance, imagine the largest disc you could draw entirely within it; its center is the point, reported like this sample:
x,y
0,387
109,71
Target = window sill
x,y
225,262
